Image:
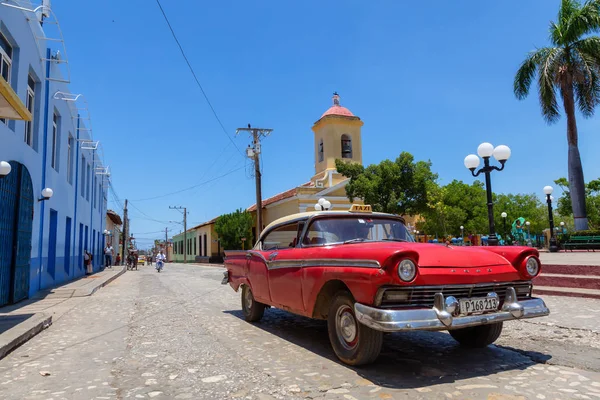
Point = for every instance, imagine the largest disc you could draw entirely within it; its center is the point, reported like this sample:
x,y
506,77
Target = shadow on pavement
x,y
10,321
407,359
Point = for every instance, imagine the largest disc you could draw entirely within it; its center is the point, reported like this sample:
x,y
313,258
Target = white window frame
x,y
5,58
54,139
29,103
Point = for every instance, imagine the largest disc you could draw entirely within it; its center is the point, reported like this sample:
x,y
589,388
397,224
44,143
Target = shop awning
x,y
11,107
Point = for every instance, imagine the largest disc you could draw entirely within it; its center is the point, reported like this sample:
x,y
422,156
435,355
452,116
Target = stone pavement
x,y
571,258
180,334
20,322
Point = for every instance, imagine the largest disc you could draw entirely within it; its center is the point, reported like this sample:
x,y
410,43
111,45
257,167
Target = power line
x,y
146,215
194,186
196,78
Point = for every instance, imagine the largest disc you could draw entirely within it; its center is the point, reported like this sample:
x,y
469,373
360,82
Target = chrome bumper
x,y
444,314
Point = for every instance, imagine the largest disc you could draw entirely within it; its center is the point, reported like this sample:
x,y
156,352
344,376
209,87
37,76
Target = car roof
x,y
309,214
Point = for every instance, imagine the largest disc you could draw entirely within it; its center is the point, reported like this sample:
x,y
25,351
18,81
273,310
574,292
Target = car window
x,y
283,237
338,230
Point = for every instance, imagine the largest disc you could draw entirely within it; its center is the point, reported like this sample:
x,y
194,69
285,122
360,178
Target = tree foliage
x,y
592,201
459,204
232,227
397,187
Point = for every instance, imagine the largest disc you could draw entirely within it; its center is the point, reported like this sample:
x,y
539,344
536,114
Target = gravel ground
x,y
180,334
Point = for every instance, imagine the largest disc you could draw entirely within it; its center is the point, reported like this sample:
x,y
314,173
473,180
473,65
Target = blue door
x,y
68,247
53,231
16,218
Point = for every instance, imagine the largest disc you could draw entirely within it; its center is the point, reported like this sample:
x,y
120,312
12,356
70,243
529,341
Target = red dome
x,y
338,110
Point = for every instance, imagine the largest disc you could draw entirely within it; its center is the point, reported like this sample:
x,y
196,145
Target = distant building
x,y
113,229
202,244
45,136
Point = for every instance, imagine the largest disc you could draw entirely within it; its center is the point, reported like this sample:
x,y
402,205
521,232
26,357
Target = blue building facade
x,y
42,241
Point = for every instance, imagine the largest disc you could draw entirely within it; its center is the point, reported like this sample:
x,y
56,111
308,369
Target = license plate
x,y
478,305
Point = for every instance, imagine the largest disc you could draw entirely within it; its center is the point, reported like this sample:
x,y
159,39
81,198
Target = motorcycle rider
x,y
160,257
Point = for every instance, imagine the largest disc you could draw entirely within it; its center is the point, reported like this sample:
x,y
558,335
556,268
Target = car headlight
x,y
532,266
407,270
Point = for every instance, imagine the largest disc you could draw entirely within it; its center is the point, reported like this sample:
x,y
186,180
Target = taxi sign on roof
x,y
361,208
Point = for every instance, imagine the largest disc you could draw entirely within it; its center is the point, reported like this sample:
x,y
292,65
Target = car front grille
x,y
422,296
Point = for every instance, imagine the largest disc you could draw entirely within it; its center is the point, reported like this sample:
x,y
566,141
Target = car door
x,y
284,264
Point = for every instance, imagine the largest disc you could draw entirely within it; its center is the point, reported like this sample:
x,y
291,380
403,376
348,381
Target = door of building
x,y
16,219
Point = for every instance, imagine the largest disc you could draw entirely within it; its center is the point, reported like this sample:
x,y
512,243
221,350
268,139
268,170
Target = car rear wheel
x,y
477,336
352,342
253,310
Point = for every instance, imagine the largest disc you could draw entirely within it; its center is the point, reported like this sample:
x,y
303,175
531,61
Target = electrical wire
x,y
196,79
192,187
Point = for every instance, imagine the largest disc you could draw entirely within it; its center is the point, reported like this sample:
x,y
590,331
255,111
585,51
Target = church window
x,y
321,150
346,146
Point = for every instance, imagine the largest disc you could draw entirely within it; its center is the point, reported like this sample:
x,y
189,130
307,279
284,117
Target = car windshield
x,y
356,229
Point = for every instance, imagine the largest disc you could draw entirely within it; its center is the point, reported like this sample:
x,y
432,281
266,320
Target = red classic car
x,y
365,275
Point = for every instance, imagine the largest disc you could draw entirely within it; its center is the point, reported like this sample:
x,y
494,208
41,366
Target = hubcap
x,y
248,299
346,328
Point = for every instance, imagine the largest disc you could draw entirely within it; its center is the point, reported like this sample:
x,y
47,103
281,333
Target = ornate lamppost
x,y
504,215
5,169
462,235
553,247
485,151
529,243
323,205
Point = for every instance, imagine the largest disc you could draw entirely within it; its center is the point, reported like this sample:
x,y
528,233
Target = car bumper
x,y
443,316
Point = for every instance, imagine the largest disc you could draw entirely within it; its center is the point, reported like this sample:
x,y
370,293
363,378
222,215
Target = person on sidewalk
x,y
87,261
108,255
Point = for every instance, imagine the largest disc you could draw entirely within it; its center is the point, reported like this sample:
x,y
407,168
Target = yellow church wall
x,y
274,212
330,129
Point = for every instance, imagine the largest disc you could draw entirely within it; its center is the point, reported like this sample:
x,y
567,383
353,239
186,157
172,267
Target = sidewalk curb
x,y
14,339
112,278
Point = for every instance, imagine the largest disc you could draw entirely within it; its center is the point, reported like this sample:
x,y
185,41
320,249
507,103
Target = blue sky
x,y
432,78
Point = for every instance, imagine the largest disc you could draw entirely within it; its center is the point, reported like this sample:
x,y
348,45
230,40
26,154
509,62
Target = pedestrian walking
x,y
87,261
118,259
108,255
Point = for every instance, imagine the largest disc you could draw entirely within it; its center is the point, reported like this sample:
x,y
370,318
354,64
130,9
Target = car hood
x,y
429,255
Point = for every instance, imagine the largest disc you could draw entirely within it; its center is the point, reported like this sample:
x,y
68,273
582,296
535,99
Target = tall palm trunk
x,y
576,181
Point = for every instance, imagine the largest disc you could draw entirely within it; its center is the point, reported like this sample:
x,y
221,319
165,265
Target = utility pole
x,y
125,230
254,154
167,243
184,230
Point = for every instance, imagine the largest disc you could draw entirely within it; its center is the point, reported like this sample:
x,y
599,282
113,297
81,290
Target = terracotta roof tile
x,y
278,197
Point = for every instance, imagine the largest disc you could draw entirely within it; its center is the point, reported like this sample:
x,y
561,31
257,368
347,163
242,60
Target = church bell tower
x,y
337,136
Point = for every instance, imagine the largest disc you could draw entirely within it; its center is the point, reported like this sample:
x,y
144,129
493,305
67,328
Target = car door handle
x,y
272,256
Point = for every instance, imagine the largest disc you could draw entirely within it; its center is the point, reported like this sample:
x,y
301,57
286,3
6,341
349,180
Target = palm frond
x,y
549,64
580,21
528,69
590,48
586,65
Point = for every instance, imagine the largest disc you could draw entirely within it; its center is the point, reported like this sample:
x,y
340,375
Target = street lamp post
x,y
5,169
528,234
462,235
323,205
485,151
504,215
553,247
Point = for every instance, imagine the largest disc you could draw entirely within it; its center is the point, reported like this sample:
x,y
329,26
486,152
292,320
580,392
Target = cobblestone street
x,y
180,334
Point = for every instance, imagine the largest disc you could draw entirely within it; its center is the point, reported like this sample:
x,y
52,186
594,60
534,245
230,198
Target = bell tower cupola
x,y
337,136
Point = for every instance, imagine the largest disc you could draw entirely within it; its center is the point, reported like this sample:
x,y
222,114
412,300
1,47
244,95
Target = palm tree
x,y
570,68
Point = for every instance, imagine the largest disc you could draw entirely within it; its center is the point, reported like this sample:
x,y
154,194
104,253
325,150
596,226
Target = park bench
x,y
582,242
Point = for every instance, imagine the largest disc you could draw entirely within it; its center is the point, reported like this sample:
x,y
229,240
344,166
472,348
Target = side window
x,y
284,237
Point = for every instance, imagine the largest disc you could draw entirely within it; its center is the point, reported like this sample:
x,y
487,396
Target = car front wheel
x,y
253,310
477,336
352,342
